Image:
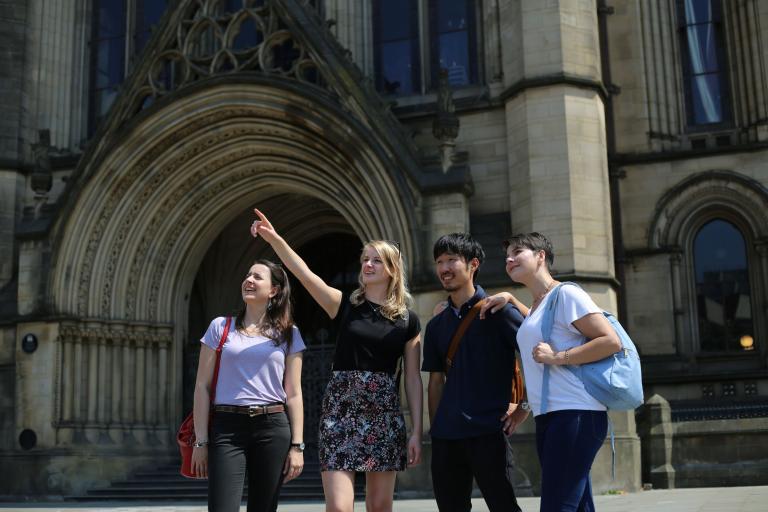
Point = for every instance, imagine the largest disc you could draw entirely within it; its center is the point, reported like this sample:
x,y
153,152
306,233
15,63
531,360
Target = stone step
x,y
164,482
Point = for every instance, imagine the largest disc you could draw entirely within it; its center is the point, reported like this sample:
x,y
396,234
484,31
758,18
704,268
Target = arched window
x,y
723,295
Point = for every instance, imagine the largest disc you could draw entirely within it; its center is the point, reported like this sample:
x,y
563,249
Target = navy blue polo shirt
x,y
477,390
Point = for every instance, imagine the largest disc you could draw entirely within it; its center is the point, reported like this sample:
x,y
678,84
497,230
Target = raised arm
x,y
327,297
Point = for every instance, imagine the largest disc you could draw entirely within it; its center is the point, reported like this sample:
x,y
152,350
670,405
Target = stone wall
x,y
729,452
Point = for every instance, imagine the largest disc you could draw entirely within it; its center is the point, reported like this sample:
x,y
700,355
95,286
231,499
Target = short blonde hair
x,y
398,298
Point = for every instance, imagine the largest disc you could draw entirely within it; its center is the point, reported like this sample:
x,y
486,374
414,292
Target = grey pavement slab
x,y
711,499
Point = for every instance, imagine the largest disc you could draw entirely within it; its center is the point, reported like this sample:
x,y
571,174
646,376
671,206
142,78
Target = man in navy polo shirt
x,y
469,410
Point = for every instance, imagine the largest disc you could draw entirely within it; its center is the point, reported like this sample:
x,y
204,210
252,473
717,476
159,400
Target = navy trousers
x,y
567,442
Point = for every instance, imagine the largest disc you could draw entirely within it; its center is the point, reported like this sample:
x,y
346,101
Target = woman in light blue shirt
x,y
258,414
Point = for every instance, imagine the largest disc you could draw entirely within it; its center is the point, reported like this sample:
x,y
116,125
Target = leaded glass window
x,y
704,69
112,50
452,40
396,46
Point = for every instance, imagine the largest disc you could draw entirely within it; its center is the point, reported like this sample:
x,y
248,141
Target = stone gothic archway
x,y
200,133
125,257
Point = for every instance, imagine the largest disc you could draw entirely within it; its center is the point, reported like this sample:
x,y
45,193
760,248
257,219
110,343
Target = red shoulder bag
x,y
185,437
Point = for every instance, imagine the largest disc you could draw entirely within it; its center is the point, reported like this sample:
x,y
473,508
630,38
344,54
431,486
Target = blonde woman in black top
x,y
362,427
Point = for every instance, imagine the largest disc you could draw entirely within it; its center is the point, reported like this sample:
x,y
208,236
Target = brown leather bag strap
x,y
459,334
518,386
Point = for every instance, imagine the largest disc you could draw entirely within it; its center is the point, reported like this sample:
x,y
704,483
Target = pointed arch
x,y
149,209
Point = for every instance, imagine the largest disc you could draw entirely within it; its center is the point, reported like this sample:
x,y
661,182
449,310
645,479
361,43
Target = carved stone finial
x,y
41,179
445,127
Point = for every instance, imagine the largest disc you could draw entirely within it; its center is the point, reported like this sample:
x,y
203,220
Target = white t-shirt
x,y
566,391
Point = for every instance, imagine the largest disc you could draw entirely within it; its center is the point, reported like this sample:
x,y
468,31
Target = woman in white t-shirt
x,y
573,427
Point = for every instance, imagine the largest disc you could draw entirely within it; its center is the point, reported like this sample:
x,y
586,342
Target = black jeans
x,y
241,445
456,461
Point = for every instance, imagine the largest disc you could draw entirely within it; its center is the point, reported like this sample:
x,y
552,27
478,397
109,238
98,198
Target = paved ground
x,y
722,499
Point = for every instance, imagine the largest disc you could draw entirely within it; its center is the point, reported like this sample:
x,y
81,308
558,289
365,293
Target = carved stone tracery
x,y
210,41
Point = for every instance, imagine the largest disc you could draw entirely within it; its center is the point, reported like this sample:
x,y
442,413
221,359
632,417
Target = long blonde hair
x,y
398,298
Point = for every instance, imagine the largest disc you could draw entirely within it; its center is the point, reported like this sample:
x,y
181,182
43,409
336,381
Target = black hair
x,y
533,241
460,244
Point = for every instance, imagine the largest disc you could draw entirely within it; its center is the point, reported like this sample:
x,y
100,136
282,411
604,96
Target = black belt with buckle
x,y
251,410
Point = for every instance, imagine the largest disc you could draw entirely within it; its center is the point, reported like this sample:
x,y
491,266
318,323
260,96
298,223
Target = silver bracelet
x,y
200,444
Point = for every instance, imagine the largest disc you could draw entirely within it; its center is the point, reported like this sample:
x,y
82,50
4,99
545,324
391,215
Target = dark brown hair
x,y
279,314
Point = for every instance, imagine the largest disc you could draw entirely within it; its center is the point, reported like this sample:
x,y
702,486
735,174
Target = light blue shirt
x,y
252,367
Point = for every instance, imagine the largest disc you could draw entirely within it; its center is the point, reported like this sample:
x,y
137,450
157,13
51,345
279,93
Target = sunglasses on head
x,y
394,244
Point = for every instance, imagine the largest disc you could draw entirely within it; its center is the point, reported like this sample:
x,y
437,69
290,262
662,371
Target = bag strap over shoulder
x,y
547,323
223,340
459,334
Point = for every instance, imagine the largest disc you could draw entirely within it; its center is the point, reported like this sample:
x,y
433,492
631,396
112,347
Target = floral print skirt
x,y
361,426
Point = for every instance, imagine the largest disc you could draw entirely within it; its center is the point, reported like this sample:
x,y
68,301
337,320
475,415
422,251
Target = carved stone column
x,y
117,342
78,389
677,304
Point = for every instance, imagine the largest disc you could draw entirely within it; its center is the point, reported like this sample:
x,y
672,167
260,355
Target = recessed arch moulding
x,y
149,200
143,216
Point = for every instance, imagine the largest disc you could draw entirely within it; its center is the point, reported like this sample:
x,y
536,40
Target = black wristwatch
x,y
298,446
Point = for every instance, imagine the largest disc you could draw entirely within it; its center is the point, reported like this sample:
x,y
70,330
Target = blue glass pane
x,y
148,13
397,68
454,56
719,246
233,5
140,40
394,20
110,18
702,49
698,11
722,286
104,99
284,55
451,15
110,62
248,36
706,99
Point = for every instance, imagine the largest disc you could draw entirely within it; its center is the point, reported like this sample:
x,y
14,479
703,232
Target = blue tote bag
x,y
616,381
